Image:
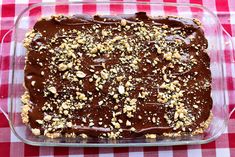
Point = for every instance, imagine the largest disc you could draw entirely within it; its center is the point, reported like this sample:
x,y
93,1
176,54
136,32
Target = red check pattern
x,y
224,146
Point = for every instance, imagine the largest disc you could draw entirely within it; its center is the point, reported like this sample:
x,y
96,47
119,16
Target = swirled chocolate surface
x,y
122,76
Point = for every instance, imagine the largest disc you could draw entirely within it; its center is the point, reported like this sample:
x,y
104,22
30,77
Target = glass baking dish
x,y
219,41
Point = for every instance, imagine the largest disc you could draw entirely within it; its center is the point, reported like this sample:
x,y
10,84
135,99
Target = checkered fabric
x,y
10,145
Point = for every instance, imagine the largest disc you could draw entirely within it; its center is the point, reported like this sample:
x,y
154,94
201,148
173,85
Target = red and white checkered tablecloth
x,y
224,146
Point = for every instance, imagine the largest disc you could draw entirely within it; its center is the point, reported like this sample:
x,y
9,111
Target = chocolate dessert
x,y
124,76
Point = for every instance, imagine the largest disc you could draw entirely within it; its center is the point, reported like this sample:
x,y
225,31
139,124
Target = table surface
x,y
223,146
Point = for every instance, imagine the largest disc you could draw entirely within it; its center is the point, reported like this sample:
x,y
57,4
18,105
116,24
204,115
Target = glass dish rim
x,y
170,143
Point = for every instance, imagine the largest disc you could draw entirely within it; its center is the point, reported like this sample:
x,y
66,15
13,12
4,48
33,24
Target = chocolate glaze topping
x,y
117,76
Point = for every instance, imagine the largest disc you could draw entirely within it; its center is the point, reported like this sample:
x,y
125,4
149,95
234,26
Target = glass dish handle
x,y
229,45
3,108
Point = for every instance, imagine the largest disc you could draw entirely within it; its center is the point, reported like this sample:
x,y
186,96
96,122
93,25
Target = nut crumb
x,y
80,74
123,22
128,123
52,90
121,89
36,132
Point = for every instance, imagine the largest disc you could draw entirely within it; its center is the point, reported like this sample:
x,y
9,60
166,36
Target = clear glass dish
x,y
218,38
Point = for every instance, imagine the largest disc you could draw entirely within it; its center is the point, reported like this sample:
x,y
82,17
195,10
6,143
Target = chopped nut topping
x,y
36,132
80,74
121,89
33,83
83,135
69,124
104,74
151,136
39,121
47,118
52,89
123,22
128,123
62,67
81,96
